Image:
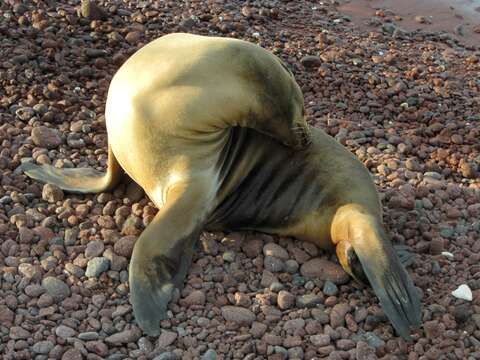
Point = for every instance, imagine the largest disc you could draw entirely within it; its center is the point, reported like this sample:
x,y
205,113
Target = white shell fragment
x,y
463,292
447,254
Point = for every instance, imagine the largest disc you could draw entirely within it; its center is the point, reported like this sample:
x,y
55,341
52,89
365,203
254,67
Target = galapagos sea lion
x,y
213,129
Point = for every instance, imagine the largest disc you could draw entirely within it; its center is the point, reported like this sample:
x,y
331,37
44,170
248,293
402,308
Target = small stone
x,y
273,264
196,297
311,61
462,313
6,316
166,338
124,246
285,300
45,137
72,354
337,315
134,192
295,353
329,288
308,301
258,329
90,10
365,352
34,290
52,193
320,340
88,336
94,249
276,286
291,266
133,37
436,246
228,256
210,354
252,247
43,347
124,337
433,329
97,266
64,332
166,356
463,292
56,288
238,315
272,249
17,333
324,270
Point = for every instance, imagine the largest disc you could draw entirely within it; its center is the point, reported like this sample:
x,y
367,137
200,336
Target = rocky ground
x,y
406,103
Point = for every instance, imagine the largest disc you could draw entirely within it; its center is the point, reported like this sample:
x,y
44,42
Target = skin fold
x,y
214,132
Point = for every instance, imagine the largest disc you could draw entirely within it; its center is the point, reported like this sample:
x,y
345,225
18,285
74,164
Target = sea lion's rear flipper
x,y
394,288
405,255
366,253
162,254
77,180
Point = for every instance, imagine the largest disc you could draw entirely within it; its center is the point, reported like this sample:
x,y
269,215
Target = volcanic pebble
x,y
324,270
238,315
52,193
276,251
56,288
46,137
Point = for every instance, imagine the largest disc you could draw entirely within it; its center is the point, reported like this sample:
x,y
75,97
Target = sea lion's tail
x,y
367,254
78,180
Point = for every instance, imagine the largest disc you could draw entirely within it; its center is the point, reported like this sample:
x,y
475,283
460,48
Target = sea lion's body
x,y
213,130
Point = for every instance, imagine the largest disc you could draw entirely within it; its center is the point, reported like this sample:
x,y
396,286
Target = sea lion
x,y
213,129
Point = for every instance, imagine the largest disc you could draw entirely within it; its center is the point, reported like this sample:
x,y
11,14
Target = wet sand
x,y
460,18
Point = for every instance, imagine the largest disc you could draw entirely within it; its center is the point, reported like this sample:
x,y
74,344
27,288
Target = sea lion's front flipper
x,y
367,254
162,255
77,180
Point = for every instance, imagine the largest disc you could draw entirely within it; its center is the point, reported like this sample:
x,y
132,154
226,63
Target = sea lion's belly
x,y
274,189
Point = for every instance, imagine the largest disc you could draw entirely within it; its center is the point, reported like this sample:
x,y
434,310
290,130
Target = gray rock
x,y
45,137
64,332
330,289
88,336
43,347
311,61
52,193
91,11
238,314
308,300
276,286
166,356
97,266
210,354
273,264
291,266
56,288
295,353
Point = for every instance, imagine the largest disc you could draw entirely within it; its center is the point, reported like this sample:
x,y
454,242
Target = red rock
x,y
6,316
238,315
324,270
166,338
124,246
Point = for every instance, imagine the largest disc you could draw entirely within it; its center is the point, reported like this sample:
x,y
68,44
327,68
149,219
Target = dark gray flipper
x,y
394,288
405,255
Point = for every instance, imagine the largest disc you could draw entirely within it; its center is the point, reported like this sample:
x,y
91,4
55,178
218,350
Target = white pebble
x,y
447,254
463,292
